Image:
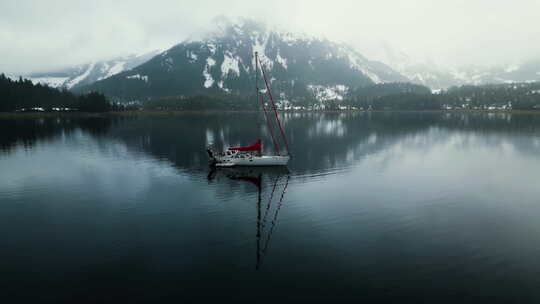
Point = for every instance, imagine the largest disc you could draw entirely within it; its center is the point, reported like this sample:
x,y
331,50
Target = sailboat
x,y
252,155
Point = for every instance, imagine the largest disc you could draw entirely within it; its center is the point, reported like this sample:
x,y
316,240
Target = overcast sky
x,y
40,35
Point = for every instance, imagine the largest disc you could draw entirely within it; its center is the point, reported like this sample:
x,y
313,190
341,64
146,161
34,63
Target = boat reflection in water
x,y
271,184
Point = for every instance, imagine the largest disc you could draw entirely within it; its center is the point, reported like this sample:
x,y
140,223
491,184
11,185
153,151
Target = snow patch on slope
x,y
115,69
260,47
137,76
53,82
229,64
168,63
222,86
211,47
325,93
281,60
81,77
208,80
192,56
14,78
357,64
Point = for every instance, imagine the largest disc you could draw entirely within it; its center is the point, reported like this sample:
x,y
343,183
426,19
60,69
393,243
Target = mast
x,y
276,146
258,224
257,74
274,107
262,247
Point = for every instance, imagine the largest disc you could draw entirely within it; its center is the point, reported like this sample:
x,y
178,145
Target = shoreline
x,y
179,112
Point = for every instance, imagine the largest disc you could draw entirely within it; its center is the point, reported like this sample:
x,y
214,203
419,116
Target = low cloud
x,y
44,35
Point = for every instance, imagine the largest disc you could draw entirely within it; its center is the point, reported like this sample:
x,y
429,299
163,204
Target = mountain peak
x,y
222,26
221,61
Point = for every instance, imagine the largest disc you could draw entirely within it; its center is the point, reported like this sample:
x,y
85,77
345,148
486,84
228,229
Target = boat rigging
x,y
252,155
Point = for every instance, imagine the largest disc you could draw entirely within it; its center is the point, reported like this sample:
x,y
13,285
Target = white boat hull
x,y
264,160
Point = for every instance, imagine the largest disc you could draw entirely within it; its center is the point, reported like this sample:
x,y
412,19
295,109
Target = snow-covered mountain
x,y
88,73
503,73
221,61
438,76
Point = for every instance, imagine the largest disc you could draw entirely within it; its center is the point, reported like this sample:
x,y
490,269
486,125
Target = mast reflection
x,y
271,185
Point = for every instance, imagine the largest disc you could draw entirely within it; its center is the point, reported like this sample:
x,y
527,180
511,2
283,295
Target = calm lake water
x,y
408,207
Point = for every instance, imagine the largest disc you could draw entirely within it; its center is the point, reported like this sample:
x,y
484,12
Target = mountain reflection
x,y
318,141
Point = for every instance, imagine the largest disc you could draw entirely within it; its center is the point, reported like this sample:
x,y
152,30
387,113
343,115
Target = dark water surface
x,y
395,207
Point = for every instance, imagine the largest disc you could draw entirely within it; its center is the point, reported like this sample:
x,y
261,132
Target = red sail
x,y
255,147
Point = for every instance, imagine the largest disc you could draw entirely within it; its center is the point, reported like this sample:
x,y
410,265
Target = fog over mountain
x,y
37,36
221,61
439,76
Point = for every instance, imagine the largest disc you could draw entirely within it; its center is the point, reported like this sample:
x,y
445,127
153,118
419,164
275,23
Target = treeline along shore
x,y
22,96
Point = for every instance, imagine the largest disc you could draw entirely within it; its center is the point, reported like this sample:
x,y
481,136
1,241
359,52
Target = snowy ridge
x,y
53,82
78,79
115,69
441,77
88,73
